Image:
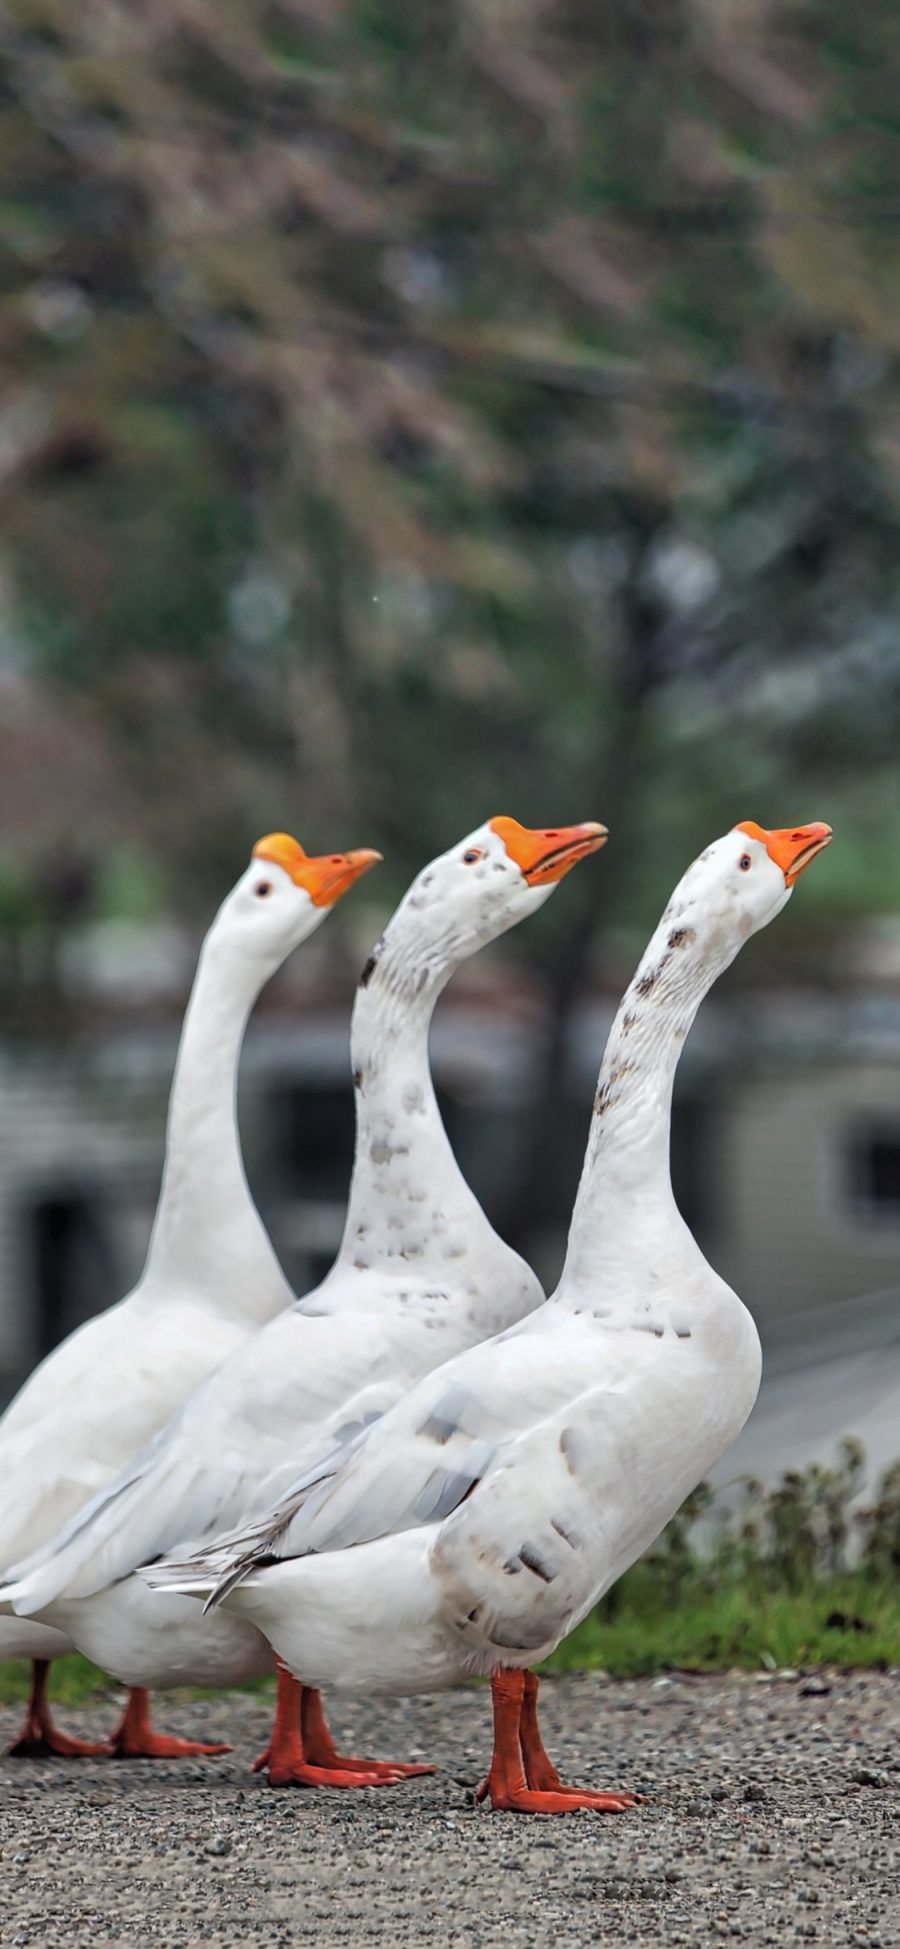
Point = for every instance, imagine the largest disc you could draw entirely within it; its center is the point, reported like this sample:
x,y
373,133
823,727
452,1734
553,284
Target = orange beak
x,y
548,855
325,879
791,847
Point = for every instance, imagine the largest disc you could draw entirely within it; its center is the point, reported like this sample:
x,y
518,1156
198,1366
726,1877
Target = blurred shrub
x,y
802,1531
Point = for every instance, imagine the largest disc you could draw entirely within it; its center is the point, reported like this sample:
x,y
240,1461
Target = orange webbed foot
x,y
36,1742
134,1738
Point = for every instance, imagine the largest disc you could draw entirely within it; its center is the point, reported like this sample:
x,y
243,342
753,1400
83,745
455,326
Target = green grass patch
x,y
718,1624
75,1681
714,1624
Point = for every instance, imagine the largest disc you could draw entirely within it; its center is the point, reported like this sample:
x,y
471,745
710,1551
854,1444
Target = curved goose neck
x,y
207,1232
625,1190
406,1180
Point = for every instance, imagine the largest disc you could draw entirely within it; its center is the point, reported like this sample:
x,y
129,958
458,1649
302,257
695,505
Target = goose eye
x,y
474,853
262,888
745,862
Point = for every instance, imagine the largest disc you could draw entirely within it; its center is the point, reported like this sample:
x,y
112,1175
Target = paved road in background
x,y
830,1372
774,1818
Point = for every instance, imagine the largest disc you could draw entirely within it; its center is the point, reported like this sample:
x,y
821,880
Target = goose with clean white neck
x,y
210,1277
420,1275
478,1522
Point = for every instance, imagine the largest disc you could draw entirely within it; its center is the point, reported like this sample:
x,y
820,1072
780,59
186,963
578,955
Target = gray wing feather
x,y
421,1460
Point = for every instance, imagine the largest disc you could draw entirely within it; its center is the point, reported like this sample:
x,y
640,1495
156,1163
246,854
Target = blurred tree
x,y
411,413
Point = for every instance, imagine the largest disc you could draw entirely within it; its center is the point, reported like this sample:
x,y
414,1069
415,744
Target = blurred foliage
x,y
411,413
805,1527
800,1574
408,414
739,1623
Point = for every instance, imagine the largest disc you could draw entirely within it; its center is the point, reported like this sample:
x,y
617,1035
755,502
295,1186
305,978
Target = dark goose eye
x,y
745,862
261,888
472,855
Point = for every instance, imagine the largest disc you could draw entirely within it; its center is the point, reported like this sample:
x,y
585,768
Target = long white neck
x,y
408,1198
625,1205
207,1234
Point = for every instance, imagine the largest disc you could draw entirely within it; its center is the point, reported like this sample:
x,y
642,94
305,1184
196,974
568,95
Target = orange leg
x,y
522,1778
39,1736
301,1753
284,1753
135,1739
540,1771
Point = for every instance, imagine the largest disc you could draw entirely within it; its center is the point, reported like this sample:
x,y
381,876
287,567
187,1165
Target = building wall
x,y
766,1161
801,1219
76,1134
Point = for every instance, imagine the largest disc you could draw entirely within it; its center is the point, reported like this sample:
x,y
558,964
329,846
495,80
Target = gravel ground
x,y
774,1818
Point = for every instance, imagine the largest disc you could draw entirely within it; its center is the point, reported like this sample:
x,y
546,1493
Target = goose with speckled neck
x,y
409,1201
420,1275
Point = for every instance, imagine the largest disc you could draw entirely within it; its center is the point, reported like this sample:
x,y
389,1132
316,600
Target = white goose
x,y
420,1275
480,1520
210,1278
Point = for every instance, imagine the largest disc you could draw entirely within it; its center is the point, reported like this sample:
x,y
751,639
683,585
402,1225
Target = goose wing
x,y
303,1385
424,1457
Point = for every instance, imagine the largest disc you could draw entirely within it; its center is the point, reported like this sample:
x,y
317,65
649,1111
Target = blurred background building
x,y
408,414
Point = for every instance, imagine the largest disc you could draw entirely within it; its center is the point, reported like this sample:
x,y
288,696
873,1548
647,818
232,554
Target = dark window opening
x,y
310,1138
74,1269
875,1169
691,1163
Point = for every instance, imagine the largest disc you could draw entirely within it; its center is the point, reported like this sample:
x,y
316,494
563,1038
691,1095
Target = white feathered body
x,y
299,1391
565,1445
102,1393
164,1645
210,1279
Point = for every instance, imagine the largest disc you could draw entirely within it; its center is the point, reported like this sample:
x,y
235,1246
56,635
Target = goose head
x,y
284,896
475,891
737,885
